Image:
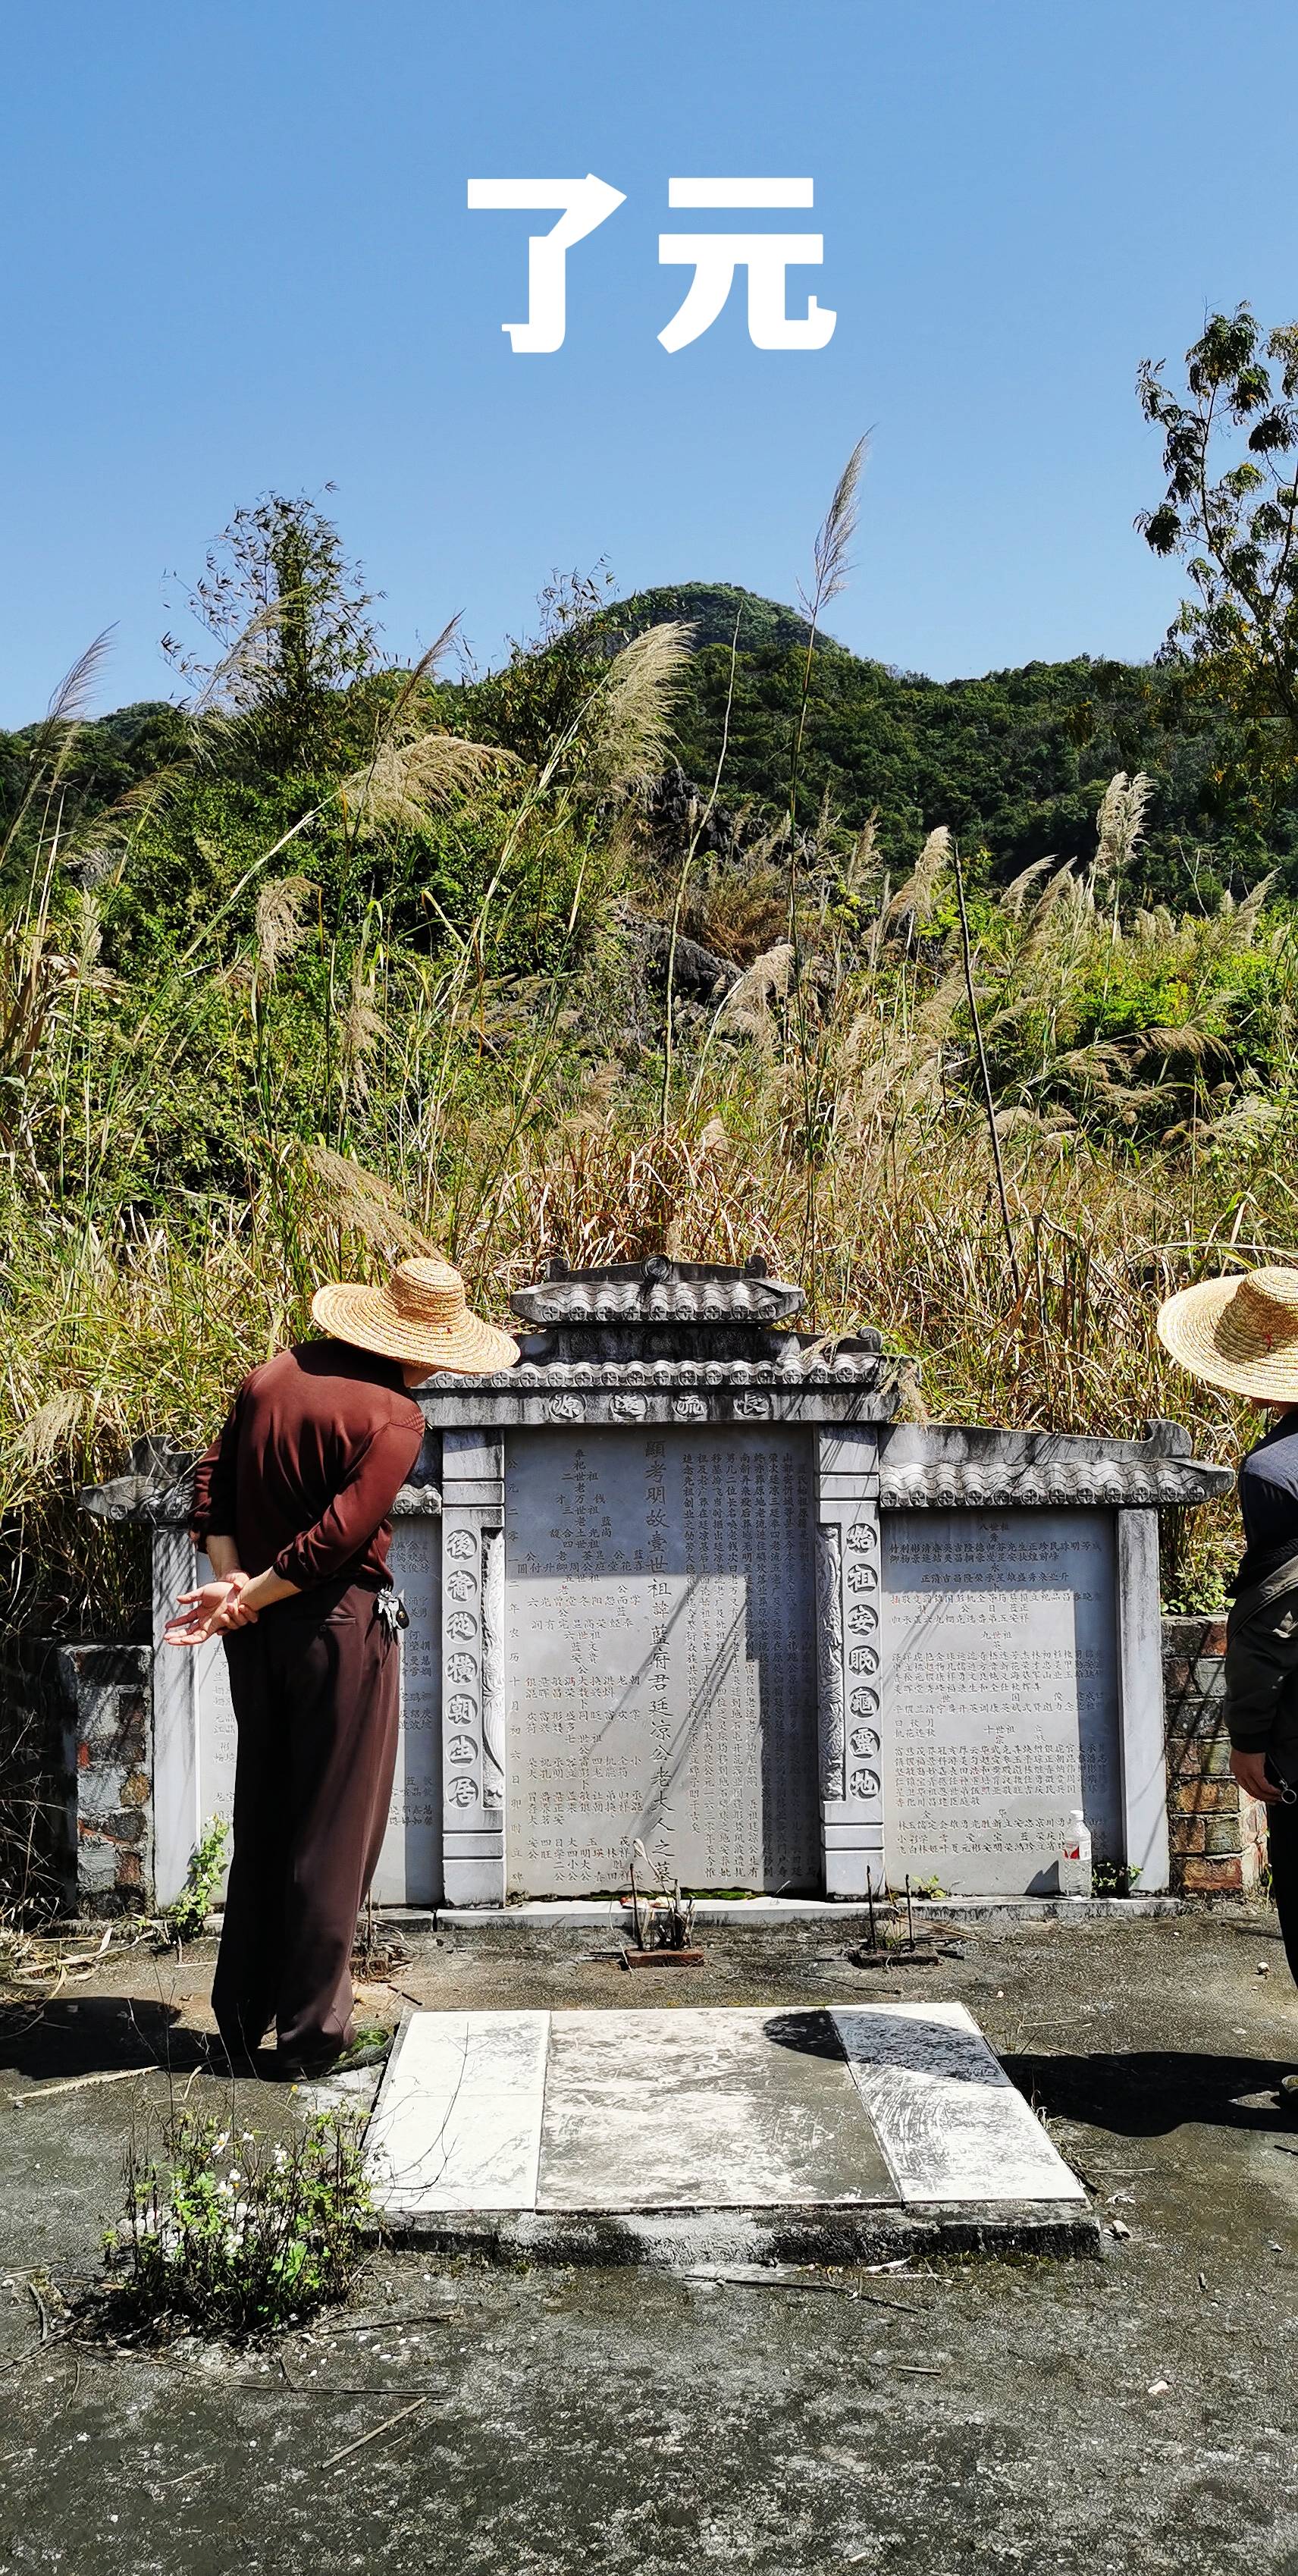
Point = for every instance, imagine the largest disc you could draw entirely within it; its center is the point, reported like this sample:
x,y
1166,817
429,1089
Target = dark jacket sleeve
x,y
1260,1672
1270,1513
215,1485
364,1499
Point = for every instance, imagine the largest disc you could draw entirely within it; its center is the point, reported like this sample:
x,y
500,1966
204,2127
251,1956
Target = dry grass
x,y
737,912
141,1328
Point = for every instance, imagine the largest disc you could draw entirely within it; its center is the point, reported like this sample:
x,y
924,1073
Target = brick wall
x,y
109,1751
1218,1836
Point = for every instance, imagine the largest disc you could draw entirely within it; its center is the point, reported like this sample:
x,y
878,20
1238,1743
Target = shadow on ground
x,y
1148,2092
95,2034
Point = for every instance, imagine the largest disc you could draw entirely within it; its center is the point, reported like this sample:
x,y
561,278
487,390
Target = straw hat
x,y
1240,1333
420,1315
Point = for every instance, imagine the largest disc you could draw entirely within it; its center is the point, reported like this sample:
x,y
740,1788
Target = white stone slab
x,y
950,2123
677,2110
707,2109
457,2125
999,1695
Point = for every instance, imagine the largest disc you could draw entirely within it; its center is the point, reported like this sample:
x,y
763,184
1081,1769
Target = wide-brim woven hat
x,y
1238,1332
421,1313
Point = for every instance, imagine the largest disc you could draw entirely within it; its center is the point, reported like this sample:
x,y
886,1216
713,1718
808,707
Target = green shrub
x,y
235,2232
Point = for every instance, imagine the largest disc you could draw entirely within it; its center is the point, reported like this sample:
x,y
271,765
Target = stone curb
x,y
768,1915
783,1912
680,2241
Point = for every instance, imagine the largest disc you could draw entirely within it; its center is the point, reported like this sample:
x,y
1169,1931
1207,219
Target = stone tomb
x,y
682,1578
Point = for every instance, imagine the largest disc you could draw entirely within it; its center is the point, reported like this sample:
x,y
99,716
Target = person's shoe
x,y
368,2047
232,2057
1287,2095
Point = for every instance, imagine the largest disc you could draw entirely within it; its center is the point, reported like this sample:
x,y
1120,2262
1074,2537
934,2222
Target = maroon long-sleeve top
x,y
304,1475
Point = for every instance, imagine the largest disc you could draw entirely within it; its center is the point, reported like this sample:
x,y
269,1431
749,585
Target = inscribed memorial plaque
x,y
999,1695
661,1670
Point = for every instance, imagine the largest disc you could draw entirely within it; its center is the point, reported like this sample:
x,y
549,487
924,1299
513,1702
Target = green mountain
x,y
713,609
1015,762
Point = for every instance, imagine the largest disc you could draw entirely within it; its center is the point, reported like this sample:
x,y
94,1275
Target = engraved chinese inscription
x,y
999,1694
661,1659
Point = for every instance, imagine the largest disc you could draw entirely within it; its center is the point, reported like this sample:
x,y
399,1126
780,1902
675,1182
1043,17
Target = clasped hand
x,y
214,1609
1250,1770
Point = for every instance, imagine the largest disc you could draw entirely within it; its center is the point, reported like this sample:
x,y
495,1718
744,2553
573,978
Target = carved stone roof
x,y
159,1487
946,1467
1110,1484
791,1364
658,1291
931,1467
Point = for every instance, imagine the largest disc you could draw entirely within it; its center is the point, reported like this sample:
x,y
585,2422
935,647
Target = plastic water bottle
x,y
1075,1857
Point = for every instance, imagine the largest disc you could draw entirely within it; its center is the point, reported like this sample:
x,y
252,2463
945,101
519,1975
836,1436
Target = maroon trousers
x,y
314,1684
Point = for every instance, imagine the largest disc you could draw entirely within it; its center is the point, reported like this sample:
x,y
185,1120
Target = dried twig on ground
x,y
379,2429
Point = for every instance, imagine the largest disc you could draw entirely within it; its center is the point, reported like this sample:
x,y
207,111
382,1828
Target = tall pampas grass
x,y
1120,822
630,718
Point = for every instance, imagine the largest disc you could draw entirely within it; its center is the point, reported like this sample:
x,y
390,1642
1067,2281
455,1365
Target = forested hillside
x,y
1015,762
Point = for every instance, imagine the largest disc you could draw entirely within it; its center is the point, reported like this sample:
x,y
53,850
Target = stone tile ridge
x,y
1091,1480
846,1366
657,1290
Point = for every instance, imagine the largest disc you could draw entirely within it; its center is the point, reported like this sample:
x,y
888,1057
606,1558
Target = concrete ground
x,y
1090,2417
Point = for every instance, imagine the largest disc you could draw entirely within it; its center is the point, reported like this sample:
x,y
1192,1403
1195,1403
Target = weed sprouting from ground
x,y
231,2232
184,1919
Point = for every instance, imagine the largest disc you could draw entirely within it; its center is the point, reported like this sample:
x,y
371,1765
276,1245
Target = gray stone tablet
x,y
999,1702
661,1660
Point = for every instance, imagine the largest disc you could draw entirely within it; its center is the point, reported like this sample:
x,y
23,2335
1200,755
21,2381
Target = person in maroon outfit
x,y
291,1506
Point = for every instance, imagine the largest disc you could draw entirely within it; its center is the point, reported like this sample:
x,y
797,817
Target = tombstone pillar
x,y
177,1786
473,1667
1142,1755
847,1660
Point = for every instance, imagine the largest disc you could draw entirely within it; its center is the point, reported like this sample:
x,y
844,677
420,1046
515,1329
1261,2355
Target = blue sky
x,y
237,256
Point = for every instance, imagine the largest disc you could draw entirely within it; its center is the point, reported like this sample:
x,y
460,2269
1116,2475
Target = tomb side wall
x,y
108,1739
38,1791
1217,1834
